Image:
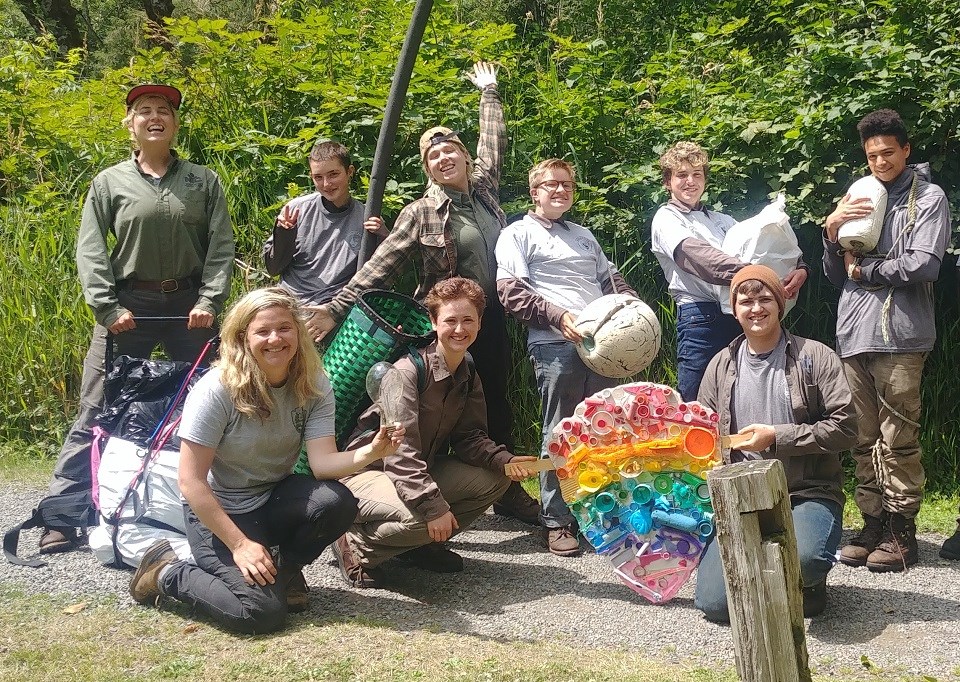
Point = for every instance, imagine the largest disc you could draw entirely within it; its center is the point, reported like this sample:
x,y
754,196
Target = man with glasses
x,y
548,270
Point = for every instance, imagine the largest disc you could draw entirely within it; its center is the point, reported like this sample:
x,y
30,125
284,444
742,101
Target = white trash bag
x,y
153,512
862,234
765,239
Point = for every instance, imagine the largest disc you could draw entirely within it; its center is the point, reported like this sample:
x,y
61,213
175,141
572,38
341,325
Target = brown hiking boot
x,y
563,541
353,572
898,548
58,540
145,583
855,552
298,594
518,504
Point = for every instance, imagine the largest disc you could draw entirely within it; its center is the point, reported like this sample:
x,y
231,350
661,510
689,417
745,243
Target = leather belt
x,y
166,286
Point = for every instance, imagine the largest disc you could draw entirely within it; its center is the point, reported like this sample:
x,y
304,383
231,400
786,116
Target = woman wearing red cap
x,y
172,256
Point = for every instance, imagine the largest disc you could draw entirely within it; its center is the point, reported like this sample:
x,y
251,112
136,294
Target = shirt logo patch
x,y
193,181
583,243
354,240
299,416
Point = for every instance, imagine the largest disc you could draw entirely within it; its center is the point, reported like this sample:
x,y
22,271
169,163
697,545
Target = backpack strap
x,y
67,511
421,366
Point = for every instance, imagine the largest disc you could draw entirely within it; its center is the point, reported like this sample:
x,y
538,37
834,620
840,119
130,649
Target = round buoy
x,y
621,335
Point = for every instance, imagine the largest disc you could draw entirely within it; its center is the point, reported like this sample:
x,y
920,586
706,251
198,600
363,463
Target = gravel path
x,y
513,589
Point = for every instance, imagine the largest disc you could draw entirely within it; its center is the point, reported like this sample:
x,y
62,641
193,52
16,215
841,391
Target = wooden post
x,y
761,570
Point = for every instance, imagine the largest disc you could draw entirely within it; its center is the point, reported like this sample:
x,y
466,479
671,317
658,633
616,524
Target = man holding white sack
x,y
686,238
548,270
885,328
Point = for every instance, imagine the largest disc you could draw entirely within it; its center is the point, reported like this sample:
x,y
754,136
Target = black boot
x,y
951,546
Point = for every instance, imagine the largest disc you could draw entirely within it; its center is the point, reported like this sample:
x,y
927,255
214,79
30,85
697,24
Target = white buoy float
x,y
621,335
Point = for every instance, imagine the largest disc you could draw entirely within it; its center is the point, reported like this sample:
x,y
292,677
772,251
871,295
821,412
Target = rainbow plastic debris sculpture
x,y
631,463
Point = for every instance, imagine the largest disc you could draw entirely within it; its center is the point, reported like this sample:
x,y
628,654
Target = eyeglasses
x,y
554,185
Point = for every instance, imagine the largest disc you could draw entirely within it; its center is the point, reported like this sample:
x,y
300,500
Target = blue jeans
x,y
817,524
302,516
563,381
703,330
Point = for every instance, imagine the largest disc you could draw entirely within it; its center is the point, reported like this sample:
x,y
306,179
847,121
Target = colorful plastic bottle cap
x,y
592,481
705,529
663,484
605,502
674,430
703,492
700,443
642,494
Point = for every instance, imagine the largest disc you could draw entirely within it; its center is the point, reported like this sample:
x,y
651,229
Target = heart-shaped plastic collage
x,y
632,462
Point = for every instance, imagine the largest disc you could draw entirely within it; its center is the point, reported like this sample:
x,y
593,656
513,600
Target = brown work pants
x,y
886,393
386,526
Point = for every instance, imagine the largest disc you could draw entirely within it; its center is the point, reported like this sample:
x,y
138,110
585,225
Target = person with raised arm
x,y
452,231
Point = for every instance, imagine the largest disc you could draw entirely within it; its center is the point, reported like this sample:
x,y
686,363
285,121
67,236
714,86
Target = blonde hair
x,y
683,152
135,107
239,372
537,172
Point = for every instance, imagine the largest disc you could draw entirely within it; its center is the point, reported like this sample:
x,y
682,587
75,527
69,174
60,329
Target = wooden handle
x,y
734,440
515,468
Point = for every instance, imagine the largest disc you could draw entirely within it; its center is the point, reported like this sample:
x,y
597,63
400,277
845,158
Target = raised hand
x,y
484,74
287,218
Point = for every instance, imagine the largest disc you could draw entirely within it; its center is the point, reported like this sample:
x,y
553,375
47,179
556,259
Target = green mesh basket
x,y
370,334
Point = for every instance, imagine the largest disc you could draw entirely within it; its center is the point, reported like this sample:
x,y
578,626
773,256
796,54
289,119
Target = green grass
x,y
106,642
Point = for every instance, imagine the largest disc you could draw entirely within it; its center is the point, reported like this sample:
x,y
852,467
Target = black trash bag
x,y
136,395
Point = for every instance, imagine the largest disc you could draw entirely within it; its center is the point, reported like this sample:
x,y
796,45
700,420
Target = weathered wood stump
x,y
761,570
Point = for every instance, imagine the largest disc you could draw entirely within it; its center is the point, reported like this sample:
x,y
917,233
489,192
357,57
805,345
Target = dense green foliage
x,y
773,89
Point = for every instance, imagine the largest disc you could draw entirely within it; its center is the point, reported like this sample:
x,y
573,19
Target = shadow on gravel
x,y
859,614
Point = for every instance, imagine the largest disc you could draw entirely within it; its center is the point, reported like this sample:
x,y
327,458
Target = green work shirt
x,y
173,228
475,231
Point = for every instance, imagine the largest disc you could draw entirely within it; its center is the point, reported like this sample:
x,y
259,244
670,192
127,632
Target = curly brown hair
x,y
681,153
452,289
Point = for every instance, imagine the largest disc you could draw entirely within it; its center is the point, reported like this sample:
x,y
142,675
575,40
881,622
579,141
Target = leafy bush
x,y
773,89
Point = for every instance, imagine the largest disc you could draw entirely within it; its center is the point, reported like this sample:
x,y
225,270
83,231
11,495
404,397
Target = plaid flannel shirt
x,y
422,231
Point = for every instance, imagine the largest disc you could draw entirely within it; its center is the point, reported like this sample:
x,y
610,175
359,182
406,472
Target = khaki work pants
x,y
386,527
886,393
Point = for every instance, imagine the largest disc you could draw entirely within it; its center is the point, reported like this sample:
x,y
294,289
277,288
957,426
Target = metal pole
x,y
391,119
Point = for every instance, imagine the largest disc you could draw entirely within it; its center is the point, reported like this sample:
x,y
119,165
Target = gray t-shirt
x,y
563,263
671,225
475,233
910,317
253,455
319,256
761,394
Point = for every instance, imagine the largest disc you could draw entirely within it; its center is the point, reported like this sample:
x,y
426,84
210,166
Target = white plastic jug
x,y
862,234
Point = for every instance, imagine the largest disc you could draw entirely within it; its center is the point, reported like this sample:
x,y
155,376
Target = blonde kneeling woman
x,y
241,433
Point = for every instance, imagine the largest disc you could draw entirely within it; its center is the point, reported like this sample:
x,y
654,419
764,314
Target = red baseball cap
x,y
168,92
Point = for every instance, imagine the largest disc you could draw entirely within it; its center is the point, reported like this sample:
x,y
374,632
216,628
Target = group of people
x,y
403,487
